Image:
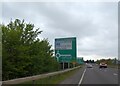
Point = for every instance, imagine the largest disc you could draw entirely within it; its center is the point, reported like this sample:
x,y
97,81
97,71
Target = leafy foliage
x,y
23,54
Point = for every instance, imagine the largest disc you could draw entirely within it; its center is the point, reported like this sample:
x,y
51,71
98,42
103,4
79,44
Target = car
x,y
89,66
103,65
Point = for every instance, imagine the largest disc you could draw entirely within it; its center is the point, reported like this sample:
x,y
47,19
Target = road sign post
x,y
63,65
68,64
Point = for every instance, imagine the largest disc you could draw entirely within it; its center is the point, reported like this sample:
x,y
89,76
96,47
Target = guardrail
x,y
33,78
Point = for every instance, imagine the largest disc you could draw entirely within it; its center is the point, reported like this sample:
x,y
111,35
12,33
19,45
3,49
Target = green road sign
x,y
65,49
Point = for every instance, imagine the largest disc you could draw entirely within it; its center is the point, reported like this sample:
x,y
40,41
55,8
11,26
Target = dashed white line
x,y
115,74
81,78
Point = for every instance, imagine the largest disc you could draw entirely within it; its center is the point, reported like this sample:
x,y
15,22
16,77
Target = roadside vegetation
x,y
23,53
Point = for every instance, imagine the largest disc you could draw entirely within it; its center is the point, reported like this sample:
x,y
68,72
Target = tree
x,y
23,53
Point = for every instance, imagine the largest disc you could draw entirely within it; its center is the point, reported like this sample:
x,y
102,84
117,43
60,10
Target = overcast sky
x,y
94,24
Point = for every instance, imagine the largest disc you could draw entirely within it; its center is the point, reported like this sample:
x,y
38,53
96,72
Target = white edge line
x,y
81,78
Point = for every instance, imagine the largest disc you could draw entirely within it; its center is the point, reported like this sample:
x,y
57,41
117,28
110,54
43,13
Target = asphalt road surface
x,y
94,75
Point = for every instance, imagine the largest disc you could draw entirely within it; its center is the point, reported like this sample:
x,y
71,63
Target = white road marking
x,y
115,74
81,78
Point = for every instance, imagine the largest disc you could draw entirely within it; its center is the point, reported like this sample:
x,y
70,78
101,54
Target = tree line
x,y
108,61
23,53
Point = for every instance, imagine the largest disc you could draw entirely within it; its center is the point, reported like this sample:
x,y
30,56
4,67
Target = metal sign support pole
x,y
63,65
68,64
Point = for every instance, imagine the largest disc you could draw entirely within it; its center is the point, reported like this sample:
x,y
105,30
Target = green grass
x,y
50,80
